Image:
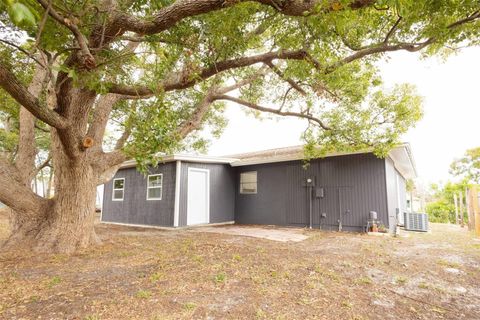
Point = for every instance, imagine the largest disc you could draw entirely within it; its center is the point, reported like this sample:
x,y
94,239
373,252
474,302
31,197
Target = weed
x,y
260,314
124,254
54,281
143,294
400,280
156,276
261,250
220,277
237,257
189,306
186,245
363,280
330,274
59,258
347,304
423,285
197,258
92,317
447,263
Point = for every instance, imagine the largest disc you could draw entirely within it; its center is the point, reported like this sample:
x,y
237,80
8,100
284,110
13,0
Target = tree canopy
x,y
311,59
468,167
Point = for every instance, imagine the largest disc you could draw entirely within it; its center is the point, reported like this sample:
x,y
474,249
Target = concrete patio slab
x,y
274,234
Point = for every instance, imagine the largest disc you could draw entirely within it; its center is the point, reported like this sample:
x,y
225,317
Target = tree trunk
x,y
66,224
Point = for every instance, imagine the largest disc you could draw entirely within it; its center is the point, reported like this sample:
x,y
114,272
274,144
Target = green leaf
x,y
21,15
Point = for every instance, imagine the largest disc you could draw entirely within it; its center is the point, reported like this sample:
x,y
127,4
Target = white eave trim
x,y
290,157
186,158
403,161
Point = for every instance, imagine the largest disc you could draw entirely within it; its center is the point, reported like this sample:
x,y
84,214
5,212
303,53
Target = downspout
x,y
176,210
310,204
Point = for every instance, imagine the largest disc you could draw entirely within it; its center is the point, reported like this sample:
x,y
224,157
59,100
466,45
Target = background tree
x,y
158,71
467,167
442,207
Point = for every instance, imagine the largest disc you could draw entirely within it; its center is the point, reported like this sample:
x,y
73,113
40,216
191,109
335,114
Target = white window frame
x,y
157,187
116,189
256,182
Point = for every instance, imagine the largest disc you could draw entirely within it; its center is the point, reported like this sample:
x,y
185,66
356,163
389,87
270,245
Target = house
x,y
272,187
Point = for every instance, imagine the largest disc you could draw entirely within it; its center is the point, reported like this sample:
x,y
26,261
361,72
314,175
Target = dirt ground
x,y
158,274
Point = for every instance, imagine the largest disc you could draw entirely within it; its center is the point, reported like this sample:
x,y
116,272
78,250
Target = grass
x,y
143,294
190,306
54,281
448,264
220,278
192,275
364,280
401,280
156,276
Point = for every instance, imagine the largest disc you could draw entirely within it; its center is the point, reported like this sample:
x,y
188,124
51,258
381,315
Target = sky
x,y
450,89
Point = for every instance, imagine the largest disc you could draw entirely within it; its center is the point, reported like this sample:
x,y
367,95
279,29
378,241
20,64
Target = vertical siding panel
x,y
222,192
135,208
360,178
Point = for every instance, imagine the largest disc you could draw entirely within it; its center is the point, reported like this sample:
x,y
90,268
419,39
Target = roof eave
x,y
186,158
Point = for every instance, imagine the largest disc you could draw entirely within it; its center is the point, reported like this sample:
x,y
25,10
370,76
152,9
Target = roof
x,y
400,155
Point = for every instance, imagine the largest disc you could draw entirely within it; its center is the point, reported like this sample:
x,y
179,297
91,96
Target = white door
x,y
198,206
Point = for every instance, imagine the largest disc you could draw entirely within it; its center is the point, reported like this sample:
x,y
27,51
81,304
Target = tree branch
x,y
272,110
15,194
43,165
28,54
279,73
10,83
87,58
170,15
392,30
185,79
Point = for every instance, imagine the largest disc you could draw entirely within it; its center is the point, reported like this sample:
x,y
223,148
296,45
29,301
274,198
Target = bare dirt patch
x,y
269,233
158,274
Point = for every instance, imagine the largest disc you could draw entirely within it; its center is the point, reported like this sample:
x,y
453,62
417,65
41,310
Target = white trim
x,y
146,226
290,157
157,187
138,225
183,157
176,209
113,189
208,191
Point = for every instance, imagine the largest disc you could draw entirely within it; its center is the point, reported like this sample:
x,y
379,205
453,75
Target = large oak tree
x,y
156,73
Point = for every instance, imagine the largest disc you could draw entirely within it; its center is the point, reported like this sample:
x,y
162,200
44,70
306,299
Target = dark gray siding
x,y
353,186
135,208
222,192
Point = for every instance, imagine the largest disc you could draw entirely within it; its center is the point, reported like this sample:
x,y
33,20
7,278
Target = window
x,y
154,187
118,189
248,182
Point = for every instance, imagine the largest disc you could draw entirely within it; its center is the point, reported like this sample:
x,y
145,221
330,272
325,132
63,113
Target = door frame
x,y
207,204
